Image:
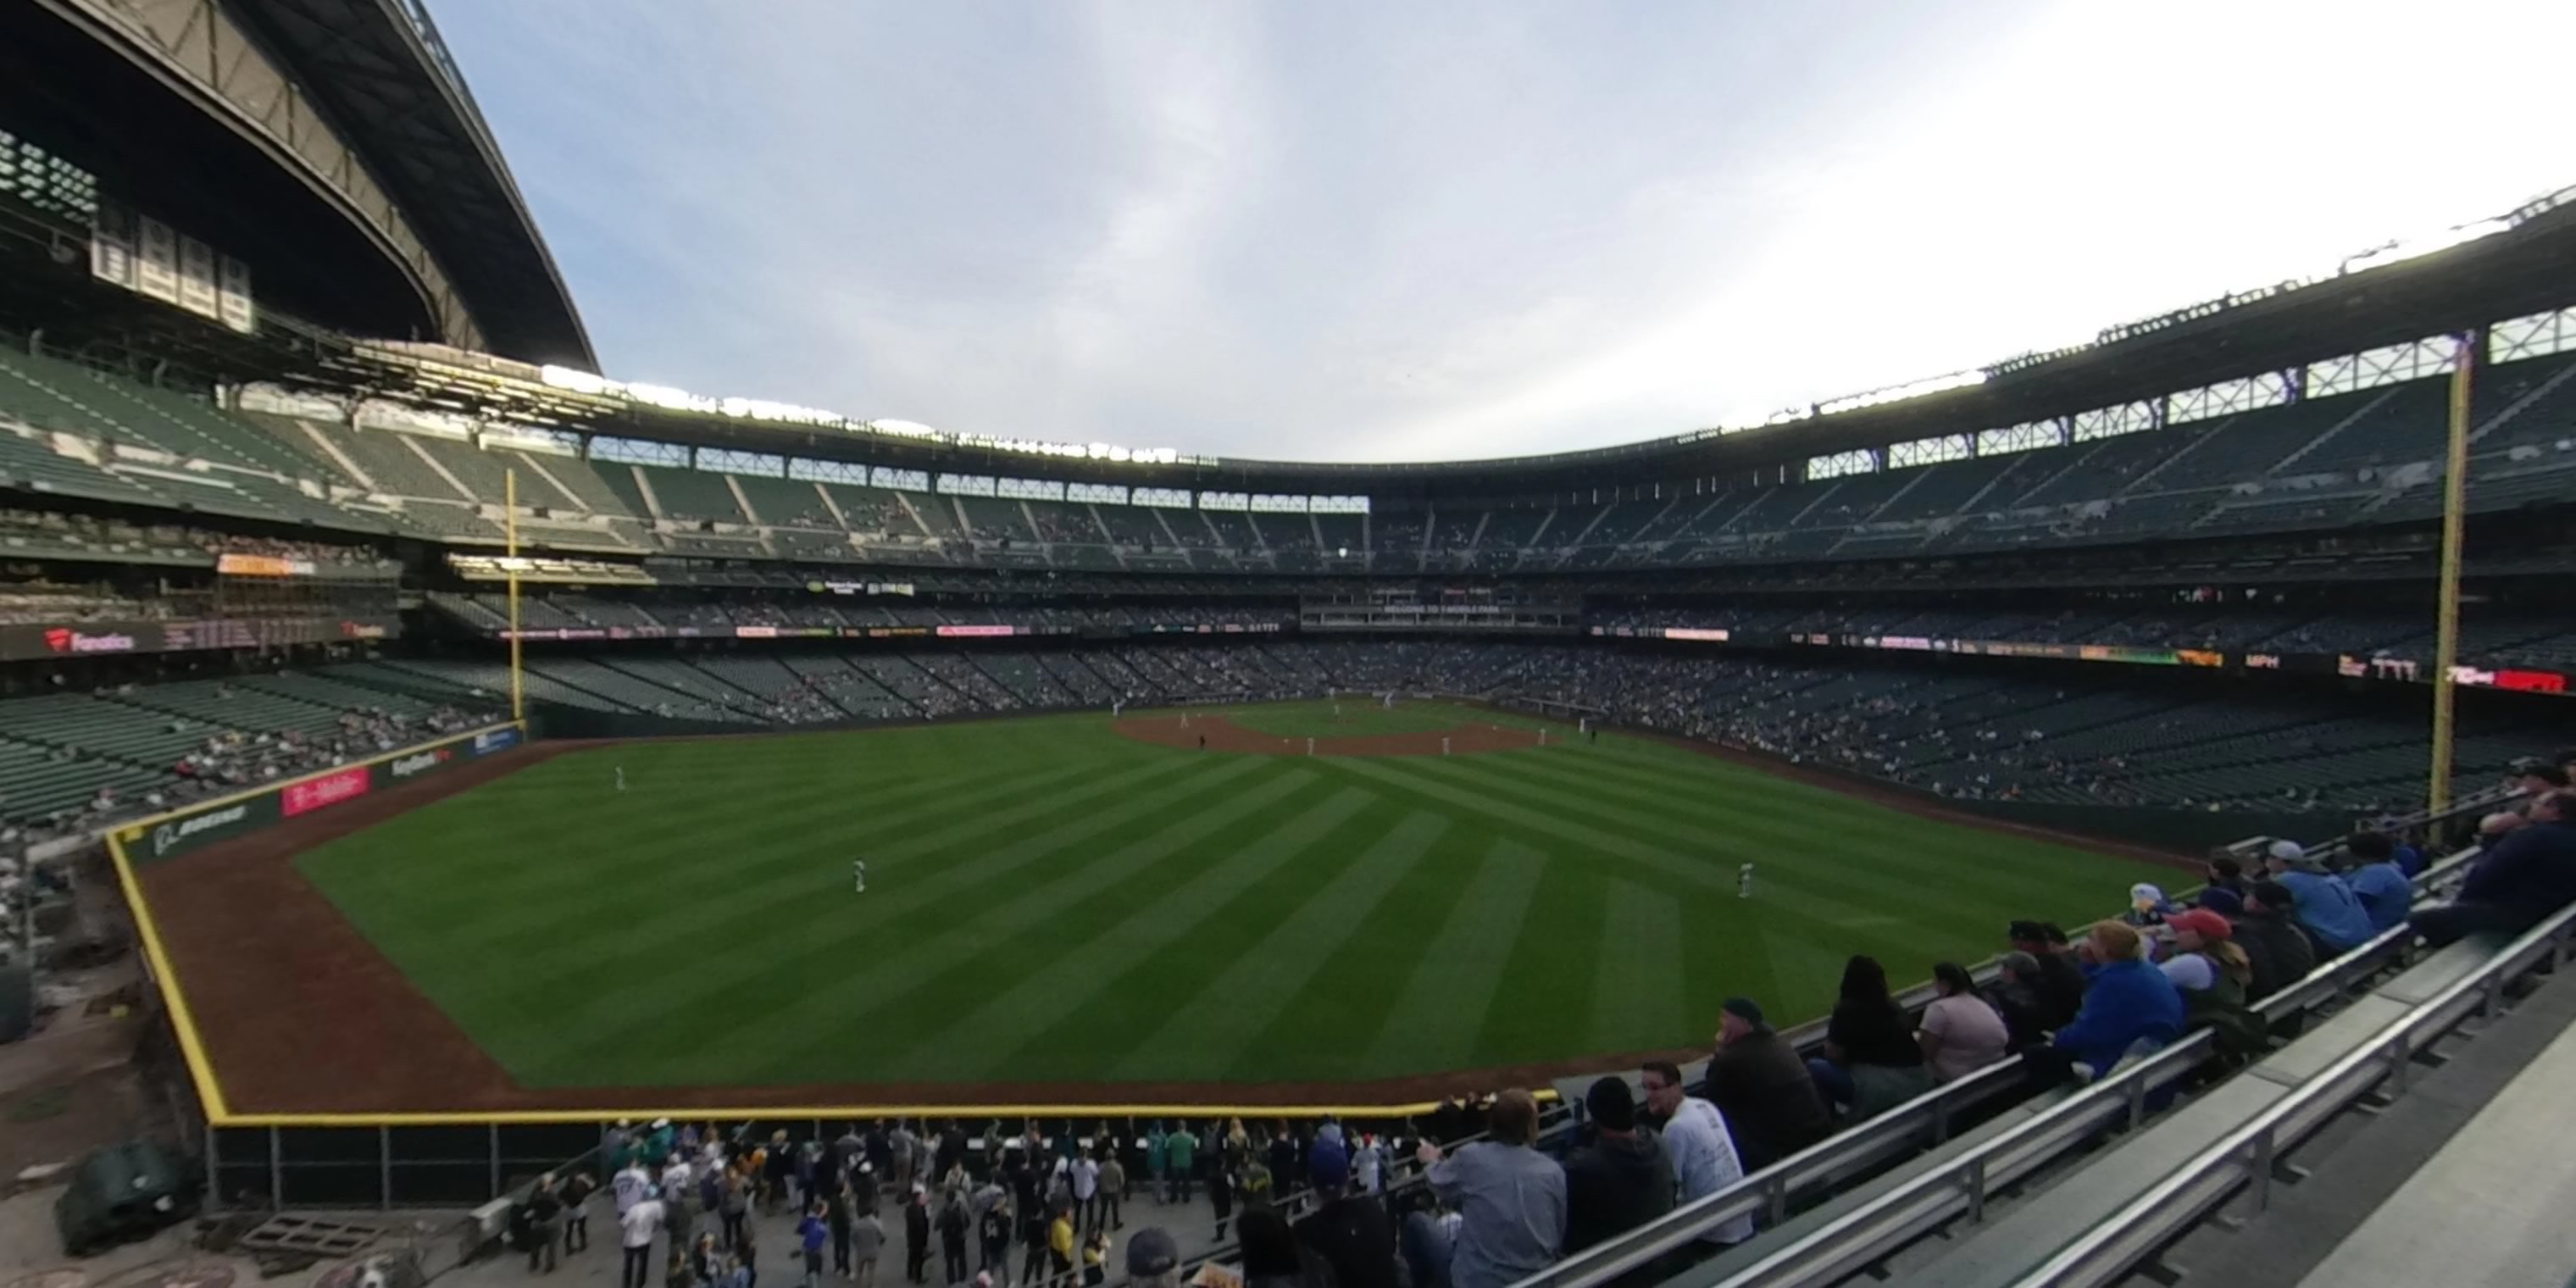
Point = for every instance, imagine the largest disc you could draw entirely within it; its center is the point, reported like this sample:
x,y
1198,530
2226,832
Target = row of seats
x,y
2359,457
146,746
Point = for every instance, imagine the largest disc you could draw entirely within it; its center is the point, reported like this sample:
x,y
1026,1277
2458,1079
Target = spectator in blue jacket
x,y
2127,1001
2327,907
2528,875
2376,879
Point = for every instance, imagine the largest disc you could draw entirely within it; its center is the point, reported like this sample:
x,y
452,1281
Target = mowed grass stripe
x,y
1123,1012
992,1034
1786,811
1831,918
1547,980
1442,1008
1637,992
1353,986
1744,830
1828,883
857,994
781,861
1206,1034
785,837
621,1017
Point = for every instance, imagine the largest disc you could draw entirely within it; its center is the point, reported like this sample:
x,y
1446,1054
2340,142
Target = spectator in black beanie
x,y
2280,953
1619,1181
2060,984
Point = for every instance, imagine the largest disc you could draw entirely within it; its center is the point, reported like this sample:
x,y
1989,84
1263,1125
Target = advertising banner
x,y
262,566
177,833
174,835
414,764
306,795
20,643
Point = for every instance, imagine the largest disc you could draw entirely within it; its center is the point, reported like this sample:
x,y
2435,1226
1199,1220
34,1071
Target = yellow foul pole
x,y
2446,629
510,537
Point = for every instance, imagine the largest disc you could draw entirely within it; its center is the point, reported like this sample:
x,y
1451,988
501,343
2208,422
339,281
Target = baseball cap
x,y
2286,851
2030,930
2201,922
2147,897
1742,1008
2220,900
1611,1104
1328,1165
1150,1251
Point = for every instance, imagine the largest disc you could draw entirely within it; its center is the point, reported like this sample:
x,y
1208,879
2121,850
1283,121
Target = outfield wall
x,y
144,842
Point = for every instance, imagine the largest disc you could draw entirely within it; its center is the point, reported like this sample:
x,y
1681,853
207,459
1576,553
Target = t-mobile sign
x,y
316,793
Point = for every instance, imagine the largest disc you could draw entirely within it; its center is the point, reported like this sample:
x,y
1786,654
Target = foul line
x,y
165,976
210,1094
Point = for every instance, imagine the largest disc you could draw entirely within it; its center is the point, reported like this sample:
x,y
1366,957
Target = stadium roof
x,y
380,73
2529,267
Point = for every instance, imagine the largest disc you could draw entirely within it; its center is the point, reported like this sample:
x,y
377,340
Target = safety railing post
x,y
276,1170
384,1168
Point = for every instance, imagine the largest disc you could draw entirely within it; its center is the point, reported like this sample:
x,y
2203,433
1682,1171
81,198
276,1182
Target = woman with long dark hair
x,y
1962,1032
1871,1061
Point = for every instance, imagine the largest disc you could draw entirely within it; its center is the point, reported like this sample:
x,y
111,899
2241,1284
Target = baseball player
x,y
1744,882
858,876
621,778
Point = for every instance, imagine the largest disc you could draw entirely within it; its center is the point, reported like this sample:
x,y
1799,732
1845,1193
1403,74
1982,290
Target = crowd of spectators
x,y
232,759
49,603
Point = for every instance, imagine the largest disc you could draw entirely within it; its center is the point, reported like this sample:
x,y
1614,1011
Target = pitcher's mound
x,y
1222,734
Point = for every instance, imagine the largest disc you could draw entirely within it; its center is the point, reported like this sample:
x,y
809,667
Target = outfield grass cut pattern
x,y
1050,902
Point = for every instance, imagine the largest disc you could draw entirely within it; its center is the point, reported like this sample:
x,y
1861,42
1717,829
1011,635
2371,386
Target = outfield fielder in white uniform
x,y
621,778
858,876
1744,882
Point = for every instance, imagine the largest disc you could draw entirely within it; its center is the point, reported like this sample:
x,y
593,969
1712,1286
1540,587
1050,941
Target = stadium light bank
x,y
759,409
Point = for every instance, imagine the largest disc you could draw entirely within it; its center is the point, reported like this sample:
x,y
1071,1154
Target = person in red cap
x,y
2212,974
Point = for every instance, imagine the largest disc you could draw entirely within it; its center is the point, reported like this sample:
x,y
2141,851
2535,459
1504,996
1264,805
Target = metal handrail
x,y
1766,1193
2248,1154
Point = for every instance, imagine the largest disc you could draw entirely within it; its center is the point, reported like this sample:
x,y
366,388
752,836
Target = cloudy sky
x,y
1350,229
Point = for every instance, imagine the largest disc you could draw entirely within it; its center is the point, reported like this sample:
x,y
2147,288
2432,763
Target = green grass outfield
x,y
1049,901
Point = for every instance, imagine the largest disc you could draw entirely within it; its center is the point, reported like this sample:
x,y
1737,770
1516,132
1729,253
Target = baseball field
x,y
1075,909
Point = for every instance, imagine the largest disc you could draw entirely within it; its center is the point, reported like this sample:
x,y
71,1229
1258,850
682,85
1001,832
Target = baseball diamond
x,y
1067,909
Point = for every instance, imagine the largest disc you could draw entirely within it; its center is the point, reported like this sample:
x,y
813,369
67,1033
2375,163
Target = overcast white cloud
x,y
1346,230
